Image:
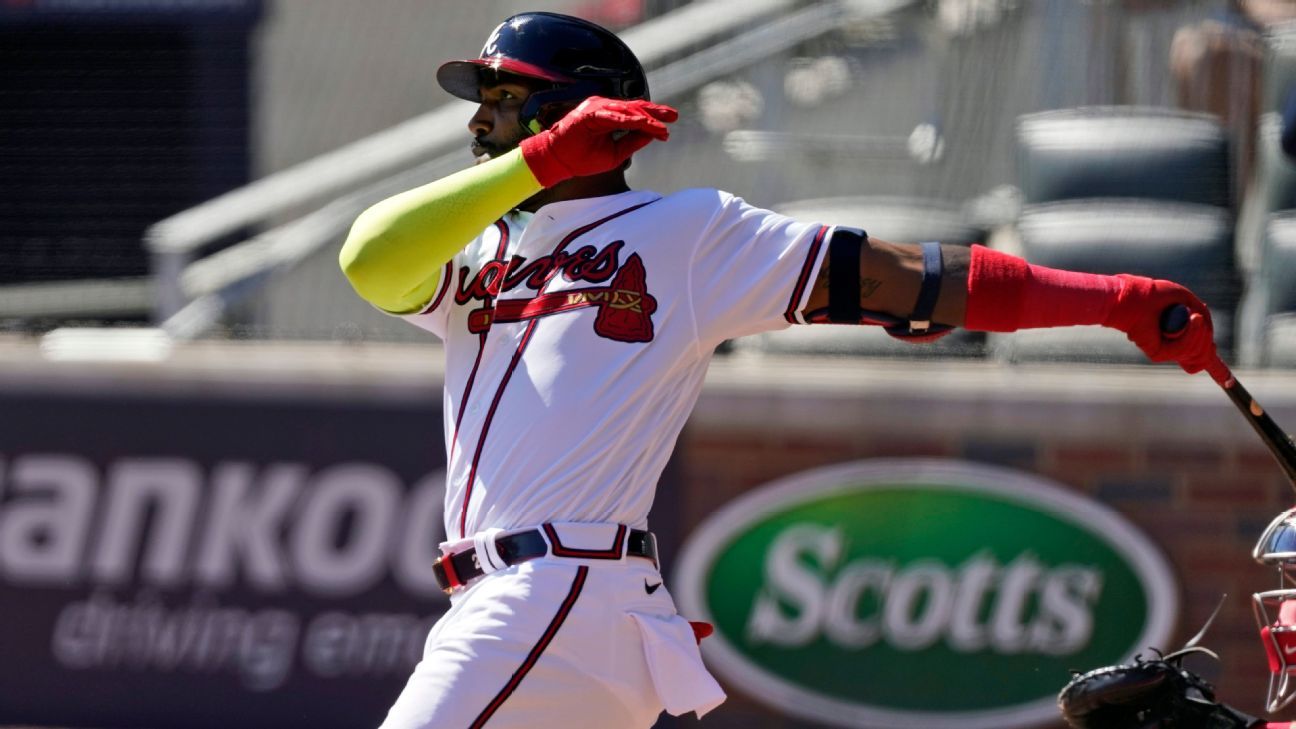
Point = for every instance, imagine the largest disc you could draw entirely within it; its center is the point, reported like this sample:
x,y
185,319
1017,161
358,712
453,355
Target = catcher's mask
x,y
1275,610
575,58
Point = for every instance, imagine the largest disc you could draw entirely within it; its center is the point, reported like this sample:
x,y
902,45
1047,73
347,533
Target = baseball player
x,y
578,318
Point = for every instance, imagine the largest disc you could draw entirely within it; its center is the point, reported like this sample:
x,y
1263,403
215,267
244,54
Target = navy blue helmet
x,y
575,58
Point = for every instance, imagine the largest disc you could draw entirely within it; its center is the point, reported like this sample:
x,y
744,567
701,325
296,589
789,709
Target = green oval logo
x,y
920,592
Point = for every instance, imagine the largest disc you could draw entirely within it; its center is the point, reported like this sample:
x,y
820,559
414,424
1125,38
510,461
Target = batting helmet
x,y
578,58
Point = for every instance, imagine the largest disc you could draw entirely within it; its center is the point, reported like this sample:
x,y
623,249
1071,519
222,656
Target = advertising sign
x,y
214,561
920,593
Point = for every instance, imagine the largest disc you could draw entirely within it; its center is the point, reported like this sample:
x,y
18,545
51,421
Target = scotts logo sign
x,y
920,593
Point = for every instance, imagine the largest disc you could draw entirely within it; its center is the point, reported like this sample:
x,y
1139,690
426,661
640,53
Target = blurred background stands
x,y
1124,189
898,116
1267,329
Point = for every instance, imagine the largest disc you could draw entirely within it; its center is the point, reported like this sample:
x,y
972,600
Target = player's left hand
x,y
1138,310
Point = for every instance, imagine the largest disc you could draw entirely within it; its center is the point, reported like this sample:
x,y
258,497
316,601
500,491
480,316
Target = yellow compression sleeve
x,y
397,249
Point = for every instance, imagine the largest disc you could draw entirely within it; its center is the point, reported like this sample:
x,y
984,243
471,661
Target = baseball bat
x,y
1173,321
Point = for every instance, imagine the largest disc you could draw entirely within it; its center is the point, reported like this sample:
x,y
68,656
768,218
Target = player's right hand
x,y
1137,312
595,137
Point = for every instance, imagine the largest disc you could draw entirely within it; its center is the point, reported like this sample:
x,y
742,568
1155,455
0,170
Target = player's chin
x,y
486,152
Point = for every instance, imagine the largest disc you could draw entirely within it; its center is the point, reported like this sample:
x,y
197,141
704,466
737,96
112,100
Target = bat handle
x,y
1174,322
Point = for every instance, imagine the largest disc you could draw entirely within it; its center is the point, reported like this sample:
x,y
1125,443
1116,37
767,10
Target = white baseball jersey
x,y
577,339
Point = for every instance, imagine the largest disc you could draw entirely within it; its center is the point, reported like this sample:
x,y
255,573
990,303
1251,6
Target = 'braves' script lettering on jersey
x,y
586,263
625,307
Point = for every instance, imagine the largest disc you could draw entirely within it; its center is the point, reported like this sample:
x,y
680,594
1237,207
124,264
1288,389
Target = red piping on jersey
x,y
536,650
517,357
490,416
500,250
804,278
447,280
614,552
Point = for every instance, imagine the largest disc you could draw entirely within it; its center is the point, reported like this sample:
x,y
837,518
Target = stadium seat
x,y
1123,152
1184,242
888,218
1280,341
1267,317
1138,190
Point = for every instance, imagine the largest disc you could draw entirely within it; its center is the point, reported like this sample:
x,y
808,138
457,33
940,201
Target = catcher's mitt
x,y
1147,694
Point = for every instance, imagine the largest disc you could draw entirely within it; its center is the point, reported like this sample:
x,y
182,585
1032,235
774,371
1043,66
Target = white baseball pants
x,y
558,642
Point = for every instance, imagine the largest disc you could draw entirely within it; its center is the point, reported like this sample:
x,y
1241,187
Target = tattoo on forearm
x,y
869,286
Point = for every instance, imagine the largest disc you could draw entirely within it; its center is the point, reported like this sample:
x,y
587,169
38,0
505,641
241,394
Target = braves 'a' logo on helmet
x,y
492,43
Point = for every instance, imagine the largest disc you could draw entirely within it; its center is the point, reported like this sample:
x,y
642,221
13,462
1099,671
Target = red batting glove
x,y
586,142
1137,312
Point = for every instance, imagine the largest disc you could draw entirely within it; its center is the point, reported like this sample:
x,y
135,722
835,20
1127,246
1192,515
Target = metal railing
x,y
192,295
174,242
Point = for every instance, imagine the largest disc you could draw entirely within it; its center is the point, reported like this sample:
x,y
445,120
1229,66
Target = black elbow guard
x,y
844,289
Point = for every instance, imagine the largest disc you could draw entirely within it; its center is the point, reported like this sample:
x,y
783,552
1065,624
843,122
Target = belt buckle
x,y
444,570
